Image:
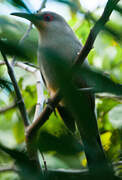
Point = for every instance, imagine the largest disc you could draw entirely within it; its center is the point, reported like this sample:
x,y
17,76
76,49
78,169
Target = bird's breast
x,y
48,72
56,52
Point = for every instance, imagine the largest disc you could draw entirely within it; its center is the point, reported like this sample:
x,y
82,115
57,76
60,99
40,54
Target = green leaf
x,y
26,168
115,116
11,48
18,130
100,82
58,136
5,84
19,4
26,51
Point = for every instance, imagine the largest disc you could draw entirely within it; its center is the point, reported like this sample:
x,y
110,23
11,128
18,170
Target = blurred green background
x,y
61,148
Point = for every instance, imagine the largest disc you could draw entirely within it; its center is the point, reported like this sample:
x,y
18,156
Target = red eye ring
x,y
48,17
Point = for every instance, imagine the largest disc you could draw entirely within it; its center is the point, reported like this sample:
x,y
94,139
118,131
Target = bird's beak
x,y
31,17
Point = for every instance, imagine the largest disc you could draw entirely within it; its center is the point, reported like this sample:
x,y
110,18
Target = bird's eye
x,y
48,17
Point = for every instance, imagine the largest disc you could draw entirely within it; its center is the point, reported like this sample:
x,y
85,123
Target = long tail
x,y
67,117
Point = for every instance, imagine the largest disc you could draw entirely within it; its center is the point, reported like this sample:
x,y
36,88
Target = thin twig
x,y
25,67
109,96
20,100
26,34
4,109
23,38
2,63
6,169
39,85
40,95
43,4
45,164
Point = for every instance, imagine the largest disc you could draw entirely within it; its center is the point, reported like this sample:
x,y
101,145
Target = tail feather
x,y
67,118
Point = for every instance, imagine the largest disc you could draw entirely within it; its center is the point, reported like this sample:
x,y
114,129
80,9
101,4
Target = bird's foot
x,y
49,104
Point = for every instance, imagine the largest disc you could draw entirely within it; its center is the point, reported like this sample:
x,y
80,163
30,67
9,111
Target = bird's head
x,y
46,21
54,33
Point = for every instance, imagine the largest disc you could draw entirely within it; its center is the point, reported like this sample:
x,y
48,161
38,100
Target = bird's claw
x,y
49,104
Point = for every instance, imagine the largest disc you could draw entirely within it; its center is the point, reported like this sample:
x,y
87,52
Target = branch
x,y
2,63
23,38
25,67
109,96
40,95
26,34
45,164
4,109
111,4
43,5
20,101
6,169
32,130
40,100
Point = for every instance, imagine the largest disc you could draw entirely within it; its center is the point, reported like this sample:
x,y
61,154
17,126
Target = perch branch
x,y
43,117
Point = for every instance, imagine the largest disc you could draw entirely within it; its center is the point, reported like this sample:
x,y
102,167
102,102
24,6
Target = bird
x,y
49,28
57,37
